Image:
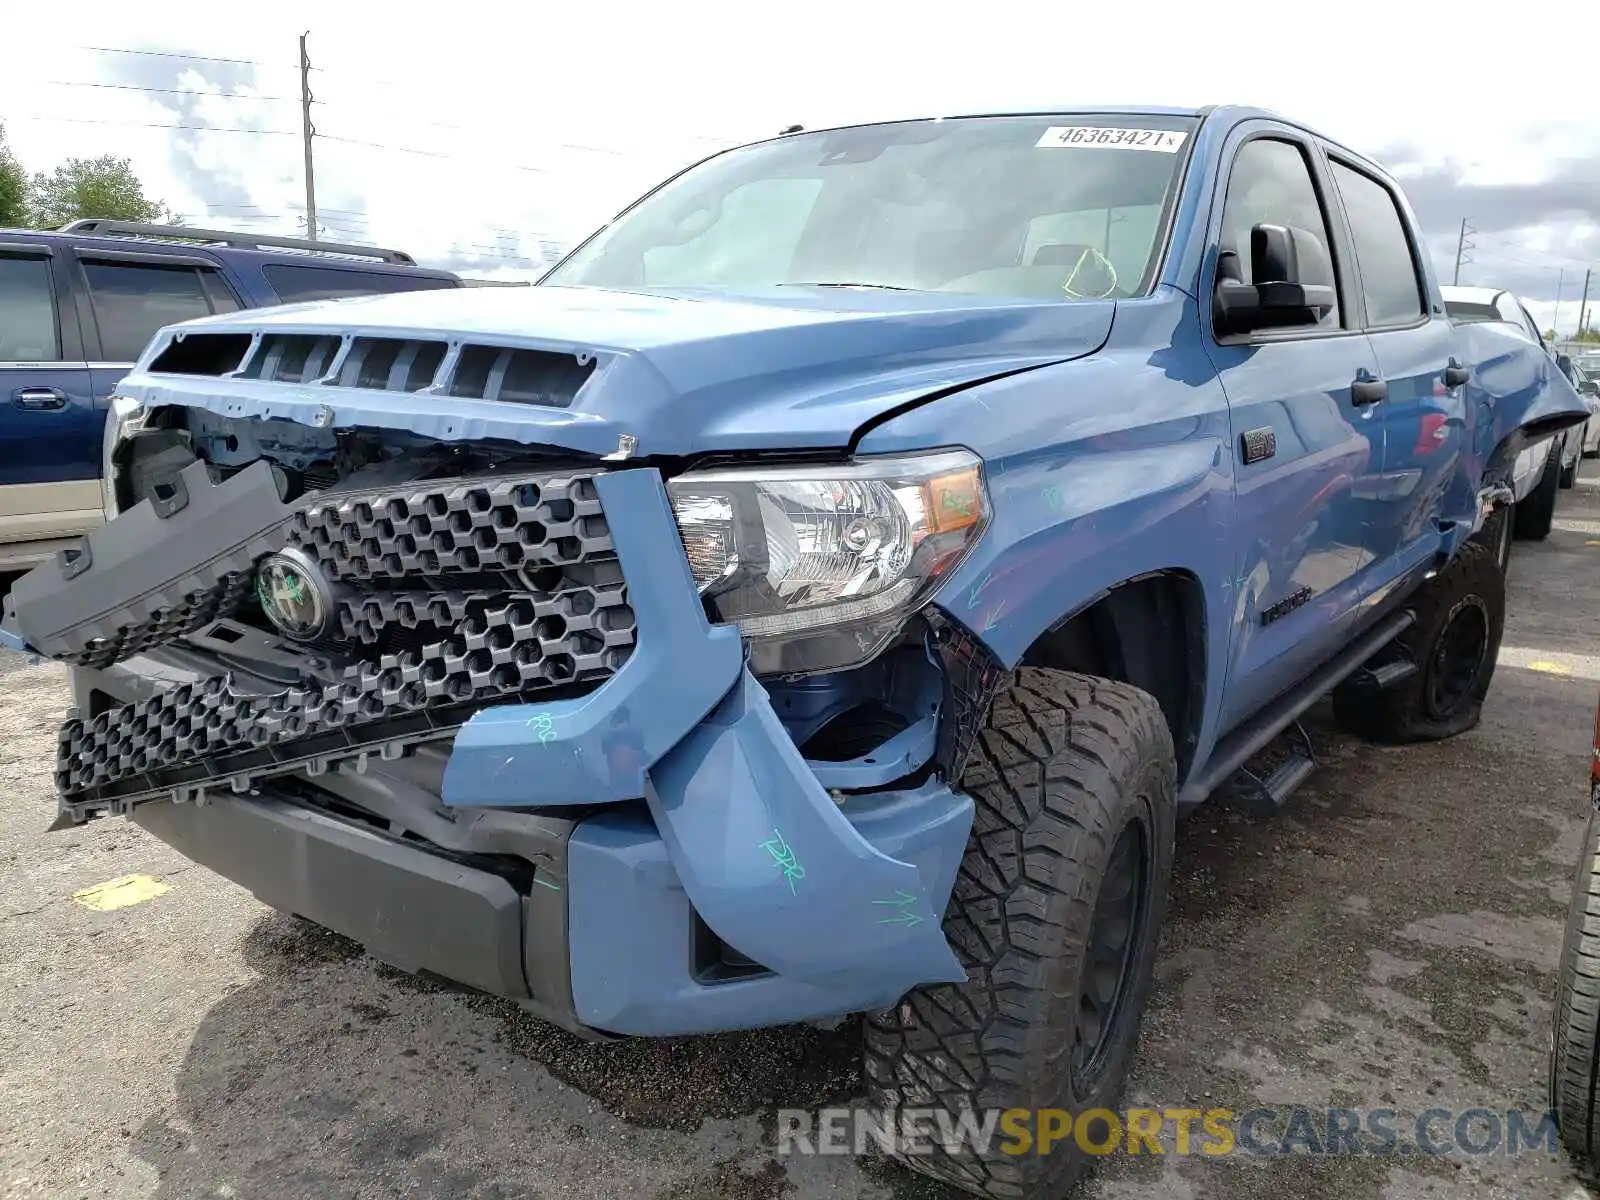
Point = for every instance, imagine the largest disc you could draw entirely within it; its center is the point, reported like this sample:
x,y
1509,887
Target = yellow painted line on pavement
x,y
121,893
1565,664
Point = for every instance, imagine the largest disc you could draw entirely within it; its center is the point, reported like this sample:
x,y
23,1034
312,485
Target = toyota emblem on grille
x,y
294,595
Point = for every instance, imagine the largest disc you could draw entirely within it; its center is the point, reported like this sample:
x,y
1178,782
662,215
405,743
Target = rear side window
x,y
27,312
133,300
1388,268
294,283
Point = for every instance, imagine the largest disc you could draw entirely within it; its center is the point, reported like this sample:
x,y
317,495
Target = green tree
x,y
103,187
13,187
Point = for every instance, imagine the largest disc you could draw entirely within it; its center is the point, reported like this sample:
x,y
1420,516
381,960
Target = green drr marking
x,y
554,887
783,856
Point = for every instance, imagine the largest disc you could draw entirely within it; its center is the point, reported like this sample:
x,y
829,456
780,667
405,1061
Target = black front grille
x,y
451,594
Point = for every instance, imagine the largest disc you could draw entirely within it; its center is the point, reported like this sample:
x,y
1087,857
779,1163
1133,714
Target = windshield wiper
x,y
882,287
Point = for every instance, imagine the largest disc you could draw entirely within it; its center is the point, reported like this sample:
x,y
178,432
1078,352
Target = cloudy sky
x,y
483,136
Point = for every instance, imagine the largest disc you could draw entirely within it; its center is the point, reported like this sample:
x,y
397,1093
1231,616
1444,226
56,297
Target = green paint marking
x,y
783,856
554,887
902,900
962,504
909,919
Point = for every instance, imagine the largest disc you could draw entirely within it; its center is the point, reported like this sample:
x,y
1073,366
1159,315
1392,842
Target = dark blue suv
x,y
77,305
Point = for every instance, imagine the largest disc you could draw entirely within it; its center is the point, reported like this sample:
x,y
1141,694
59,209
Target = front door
x,y
1304,447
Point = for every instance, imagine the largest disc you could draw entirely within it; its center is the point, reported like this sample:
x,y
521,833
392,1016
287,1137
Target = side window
x,y
1383,248
1271,185
27,312
133,300
294,284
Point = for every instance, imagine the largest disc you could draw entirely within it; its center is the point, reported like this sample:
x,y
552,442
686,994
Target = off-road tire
x,y
1065,764
1575,1048
1536,512
1470,590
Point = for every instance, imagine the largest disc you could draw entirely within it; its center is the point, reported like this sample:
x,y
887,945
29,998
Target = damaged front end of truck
x,y
375,629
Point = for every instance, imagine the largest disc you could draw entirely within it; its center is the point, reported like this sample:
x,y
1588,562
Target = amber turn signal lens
x,y
955,501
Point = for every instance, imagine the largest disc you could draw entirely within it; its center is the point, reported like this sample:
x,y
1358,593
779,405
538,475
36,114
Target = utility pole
x,y
306,132
1462,245
1583,306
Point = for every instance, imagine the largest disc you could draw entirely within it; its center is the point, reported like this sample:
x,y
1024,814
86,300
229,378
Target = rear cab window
x,y
293,283
132,300
1390,281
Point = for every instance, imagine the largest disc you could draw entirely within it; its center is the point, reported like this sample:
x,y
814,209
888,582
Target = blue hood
x,y
682,372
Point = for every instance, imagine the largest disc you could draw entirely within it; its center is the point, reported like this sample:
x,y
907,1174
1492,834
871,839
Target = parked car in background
x,y
1588,385
1539,471
78,305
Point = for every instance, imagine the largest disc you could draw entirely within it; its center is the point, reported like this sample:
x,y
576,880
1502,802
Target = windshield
x,y
1047,207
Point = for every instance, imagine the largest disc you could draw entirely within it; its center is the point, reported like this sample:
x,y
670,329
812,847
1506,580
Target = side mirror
x,y
1589,387
1292,276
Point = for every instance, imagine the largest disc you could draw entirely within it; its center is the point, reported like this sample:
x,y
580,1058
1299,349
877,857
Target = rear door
x,y
128,295
1423,419
49,426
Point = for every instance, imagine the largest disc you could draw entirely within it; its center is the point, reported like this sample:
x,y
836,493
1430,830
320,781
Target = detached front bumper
x,y
706,879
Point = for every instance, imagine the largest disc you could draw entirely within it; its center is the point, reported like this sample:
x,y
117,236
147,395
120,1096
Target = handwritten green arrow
x,y
993,618
900,899
909,919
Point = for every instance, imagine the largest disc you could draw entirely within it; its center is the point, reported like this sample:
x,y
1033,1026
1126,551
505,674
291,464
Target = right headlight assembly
x,y
820,566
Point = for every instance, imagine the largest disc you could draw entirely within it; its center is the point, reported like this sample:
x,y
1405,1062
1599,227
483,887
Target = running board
x,y
1265,796
1245,742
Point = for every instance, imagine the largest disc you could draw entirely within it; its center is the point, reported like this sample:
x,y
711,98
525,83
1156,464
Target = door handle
x,y
1368,391
1455,375
37,398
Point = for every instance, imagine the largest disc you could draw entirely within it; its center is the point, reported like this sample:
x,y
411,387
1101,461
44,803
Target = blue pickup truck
x,y
78,304
821,594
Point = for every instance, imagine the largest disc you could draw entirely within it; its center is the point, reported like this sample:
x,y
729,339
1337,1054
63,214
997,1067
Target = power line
x,y
1566,258
129,87
328,137
153,125
243,62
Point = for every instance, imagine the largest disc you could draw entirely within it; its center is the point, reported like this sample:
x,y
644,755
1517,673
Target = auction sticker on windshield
x,y
1163,141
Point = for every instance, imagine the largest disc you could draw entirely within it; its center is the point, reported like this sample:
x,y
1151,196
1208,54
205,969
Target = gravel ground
x,y
1391,940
